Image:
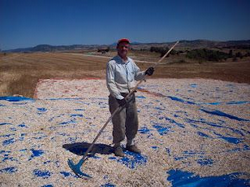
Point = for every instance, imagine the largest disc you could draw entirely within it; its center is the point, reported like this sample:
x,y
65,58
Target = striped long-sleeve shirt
x,y
121,76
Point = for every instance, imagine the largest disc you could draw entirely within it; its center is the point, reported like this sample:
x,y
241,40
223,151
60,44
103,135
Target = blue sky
x,y
27,23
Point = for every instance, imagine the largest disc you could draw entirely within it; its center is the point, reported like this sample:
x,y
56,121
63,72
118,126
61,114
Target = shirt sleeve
x,y
139,75
110,80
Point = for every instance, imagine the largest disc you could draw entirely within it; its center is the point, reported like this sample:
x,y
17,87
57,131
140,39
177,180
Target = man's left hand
x,y
150,71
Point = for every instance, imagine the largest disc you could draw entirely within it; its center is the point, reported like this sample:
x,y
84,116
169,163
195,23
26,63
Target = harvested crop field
x,y
20,72
192,131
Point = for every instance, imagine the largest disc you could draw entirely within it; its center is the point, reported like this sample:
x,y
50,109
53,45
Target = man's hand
x,y
121,102
149,71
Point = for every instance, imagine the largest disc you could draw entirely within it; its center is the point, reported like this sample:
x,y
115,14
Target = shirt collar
x,y
122,61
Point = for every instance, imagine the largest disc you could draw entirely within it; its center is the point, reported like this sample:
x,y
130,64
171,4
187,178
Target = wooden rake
x,y
76,168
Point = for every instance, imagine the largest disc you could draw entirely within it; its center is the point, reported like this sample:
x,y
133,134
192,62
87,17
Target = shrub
x,y
239,55
207,55
162,50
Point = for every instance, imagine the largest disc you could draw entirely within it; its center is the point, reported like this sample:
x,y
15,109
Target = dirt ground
x,y
227,71
20,72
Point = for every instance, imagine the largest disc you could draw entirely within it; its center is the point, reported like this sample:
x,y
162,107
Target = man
x,y
121,76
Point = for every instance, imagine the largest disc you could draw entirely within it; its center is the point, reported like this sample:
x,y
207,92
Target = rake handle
x,y
121,107
157,63
97,136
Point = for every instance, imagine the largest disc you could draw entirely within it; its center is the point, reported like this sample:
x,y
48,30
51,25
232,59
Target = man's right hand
x,y
121,102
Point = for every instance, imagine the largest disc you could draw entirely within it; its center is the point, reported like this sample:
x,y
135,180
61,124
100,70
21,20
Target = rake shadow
x,y
81,148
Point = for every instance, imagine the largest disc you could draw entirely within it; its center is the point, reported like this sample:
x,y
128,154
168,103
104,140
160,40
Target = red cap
x,y
123,40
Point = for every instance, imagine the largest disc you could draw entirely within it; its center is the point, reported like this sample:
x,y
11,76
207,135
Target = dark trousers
x,y
124,122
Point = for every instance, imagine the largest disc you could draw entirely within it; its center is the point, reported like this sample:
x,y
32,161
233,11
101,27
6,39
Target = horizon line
x,y
114,43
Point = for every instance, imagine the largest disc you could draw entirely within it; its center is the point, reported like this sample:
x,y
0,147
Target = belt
x,y
124,94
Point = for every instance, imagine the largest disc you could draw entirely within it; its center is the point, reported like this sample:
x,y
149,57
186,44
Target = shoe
x,y
118,151
133,148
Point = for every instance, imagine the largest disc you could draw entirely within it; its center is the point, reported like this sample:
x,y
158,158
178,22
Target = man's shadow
x,y
81,148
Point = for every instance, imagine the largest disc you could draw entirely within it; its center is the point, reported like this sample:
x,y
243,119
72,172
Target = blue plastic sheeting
x,y
67,174
6,135
144,130
9,158
201,103
219,113
79,109
5,155
203,134
42,174
131,160
238,102
232,139
41,110
108,185
183,178
199,157
5,124
174,122
13,98
204,162
8,170
155,147
220,124
9,141
245,148
47,185
36,153
66,99
193,85
140,97
165,128
72,121
22,125
162,129
76,115
181,100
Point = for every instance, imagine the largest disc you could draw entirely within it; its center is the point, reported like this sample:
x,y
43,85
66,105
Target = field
x,y
20,72
194,122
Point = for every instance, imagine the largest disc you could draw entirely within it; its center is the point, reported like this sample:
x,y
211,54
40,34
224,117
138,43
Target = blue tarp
x,y
183,178
14,98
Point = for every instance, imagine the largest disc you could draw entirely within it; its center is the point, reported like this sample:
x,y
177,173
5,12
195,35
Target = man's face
x,y
122,49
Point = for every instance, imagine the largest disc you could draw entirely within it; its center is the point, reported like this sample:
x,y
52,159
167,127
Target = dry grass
x,y
19,72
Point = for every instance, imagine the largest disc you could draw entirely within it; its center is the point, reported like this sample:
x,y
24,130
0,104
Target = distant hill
x,y
214,44
183,44
51,48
